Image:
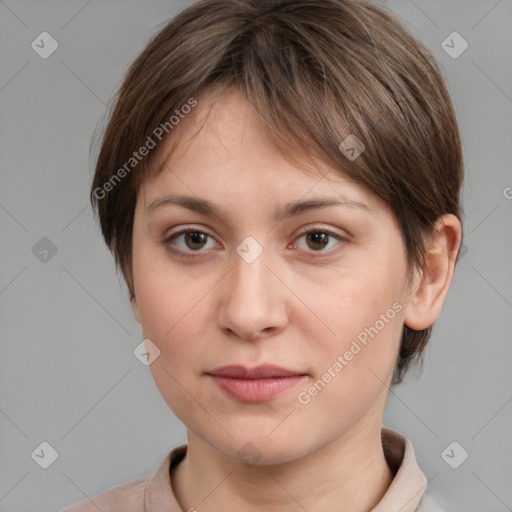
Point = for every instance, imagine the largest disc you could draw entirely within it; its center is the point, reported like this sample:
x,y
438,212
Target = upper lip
x,y
264,371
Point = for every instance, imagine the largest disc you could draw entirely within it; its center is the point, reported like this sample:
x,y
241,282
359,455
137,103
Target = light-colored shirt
x,y
154,493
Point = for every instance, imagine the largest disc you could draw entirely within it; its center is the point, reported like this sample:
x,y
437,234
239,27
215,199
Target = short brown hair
x,y
315,72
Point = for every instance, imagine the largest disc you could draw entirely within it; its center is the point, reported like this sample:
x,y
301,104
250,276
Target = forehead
x,y
222,151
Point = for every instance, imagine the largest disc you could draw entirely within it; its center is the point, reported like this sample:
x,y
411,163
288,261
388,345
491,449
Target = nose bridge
x,y
249,280
251,301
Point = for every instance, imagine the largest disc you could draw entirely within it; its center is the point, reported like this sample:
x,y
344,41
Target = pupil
x,y
319,237
196,238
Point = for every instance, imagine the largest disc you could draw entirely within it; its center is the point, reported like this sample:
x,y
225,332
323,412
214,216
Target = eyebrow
x,y
288,210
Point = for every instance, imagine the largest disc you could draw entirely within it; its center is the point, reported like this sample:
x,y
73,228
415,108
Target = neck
x,y
351,471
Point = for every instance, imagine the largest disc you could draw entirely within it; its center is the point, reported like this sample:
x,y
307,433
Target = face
x,y
318,292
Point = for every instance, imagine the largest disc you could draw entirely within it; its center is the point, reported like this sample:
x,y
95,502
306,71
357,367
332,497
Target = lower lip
x,y
256,390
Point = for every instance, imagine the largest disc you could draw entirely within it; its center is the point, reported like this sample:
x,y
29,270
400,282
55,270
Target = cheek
x,y
356,301
354,371
171,302
364,312
163,293
170,307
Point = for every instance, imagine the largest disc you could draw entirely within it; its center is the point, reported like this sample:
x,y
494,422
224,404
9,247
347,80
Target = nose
x,y
253,300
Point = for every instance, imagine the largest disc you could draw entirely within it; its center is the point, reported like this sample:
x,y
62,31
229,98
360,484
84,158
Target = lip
x,y
256,384
263,371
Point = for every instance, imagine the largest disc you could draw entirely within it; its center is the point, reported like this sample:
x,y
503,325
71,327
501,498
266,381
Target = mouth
x,y
256,384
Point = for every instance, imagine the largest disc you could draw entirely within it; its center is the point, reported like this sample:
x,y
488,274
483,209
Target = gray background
x,y
68,375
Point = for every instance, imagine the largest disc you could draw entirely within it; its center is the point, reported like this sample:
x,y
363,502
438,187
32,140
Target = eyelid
x,y
184,229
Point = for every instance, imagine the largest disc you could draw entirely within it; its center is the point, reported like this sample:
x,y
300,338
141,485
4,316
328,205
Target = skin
x,y
283,308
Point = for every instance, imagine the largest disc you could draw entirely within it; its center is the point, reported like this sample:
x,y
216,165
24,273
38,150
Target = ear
x,y
431,283
135,308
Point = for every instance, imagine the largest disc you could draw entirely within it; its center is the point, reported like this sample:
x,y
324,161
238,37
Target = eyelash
x,y
197,254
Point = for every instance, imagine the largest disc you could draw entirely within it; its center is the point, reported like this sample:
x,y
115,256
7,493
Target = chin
x,y
255,449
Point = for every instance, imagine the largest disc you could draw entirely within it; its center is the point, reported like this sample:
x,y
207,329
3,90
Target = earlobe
x,y
135,308
431,284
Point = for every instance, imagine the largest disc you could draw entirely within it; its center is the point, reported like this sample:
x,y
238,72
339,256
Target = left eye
x,y
318,239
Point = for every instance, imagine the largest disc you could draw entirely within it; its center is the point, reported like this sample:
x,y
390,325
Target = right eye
x,y
188,241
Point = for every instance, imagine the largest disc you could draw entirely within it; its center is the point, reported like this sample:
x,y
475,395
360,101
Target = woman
x,y
279,183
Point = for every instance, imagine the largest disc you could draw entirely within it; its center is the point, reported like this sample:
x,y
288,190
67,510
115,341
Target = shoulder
x,y
409,490
128,497
141,495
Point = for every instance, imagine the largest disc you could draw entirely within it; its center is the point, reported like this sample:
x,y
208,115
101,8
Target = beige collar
x,y
403,495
